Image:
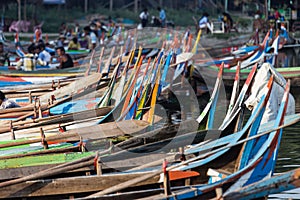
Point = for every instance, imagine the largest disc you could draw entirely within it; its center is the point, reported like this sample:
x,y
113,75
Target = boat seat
x,y
216,174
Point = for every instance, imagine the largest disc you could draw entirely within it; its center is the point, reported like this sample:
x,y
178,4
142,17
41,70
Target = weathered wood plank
x,y
119,164
69,185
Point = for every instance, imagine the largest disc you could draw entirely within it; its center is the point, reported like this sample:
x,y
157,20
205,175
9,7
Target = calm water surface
x,y
289,157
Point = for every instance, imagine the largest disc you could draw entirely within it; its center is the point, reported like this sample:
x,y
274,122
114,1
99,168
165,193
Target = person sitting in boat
x,y
4,56
65,59
258,23
91,37
28,62
284,34
7,103
228,22
38,33
74,44
61,41
44,57
204,22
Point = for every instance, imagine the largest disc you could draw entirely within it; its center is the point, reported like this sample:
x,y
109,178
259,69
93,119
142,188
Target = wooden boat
x,y
246,60
181,139
208,191
28,186
202,148
291,73
257,166
181,126
273,185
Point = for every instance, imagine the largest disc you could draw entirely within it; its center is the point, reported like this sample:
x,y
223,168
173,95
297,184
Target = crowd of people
x,y
156,21
97,32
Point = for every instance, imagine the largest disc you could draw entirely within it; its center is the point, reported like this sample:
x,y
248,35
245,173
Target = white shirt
x,y
143,15
203,21
44,57
8,103
93,37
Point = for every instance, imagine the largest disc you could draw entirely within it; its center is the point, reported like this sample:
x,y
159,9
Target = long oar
x,y
100,60
87,72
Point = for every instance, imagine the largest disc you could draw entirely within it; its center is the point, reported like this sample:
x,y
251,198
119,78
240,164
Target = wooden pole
x,y
85,6
30,97
13,137
111,4
40,109
266,10
25,8
98,165
43,137
135,6
167,188
226,6
19,10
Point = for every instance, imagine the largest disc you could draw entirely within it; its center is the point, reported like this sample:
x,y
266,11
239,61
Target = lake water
x,y
289,157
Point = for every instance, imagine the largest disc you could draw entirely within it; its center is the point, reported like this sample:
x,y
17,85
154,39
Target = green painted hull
x,y
42,159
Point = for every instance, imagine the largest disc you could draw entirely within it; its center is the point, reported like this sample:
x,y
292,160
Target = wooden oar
x,y
101,131
73,88
46,107
87,72
58,119
47,86
100,60
58,102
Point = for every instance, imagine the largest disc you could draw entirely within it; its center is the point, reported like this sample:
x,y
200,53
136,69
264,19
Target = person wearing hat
x,y
204,23
65,60
61,41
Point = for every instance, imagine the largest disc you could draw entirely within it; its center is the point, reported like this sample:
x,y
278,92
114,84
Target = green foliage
x,y
54,15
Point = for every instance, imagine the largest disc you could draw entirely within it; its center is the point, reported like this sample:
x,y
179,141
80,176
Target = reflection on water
x,y
289,157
